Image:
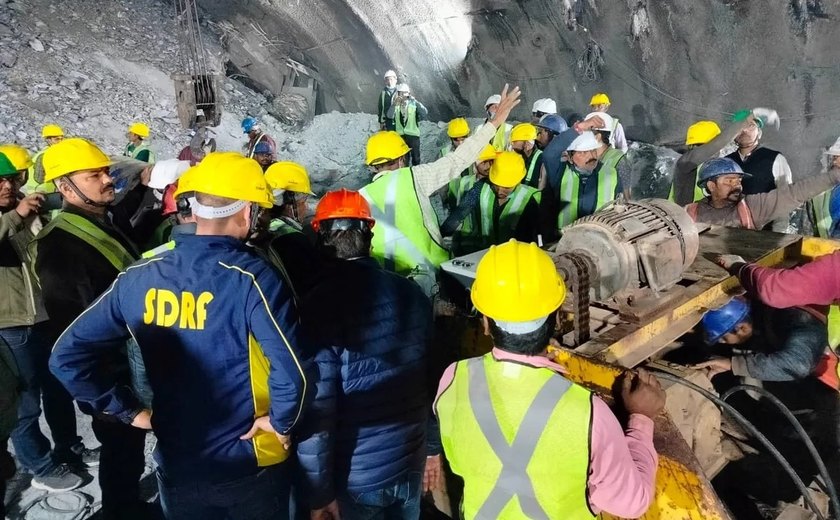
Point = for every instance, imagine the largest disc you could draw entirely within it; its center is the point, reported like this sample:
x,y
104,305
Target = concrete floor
x,y
20,495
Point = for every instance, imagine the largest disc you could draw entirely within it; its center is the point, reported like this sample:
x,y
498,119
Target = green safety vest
x,y
133,153
281,227
445,149
499,141
820,214
410,127
509,218
698,191
519,437
88,232
401,242
529,176
607,180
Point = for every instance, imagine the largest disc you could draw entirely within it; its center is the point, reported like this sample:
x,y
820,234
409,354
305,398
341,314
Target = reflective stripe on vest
x,y
139,148
169,246
821,214
499,141
744,213
529,176
410,127
509,218
280,227
401,241
519,437
91,234
570,193
698,191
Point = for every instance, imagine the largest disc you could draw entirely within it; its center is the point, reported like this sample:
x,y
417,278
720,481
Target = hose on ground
x,y
818,460
750,427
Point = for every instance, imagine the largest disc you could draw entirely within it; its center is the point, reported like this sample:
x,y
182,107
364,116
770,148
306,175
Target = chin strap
x,y
84,197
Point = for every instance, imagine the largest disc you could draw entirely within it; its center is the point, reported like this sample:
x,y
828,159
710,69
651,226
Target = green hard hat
x,y
6,167
745,113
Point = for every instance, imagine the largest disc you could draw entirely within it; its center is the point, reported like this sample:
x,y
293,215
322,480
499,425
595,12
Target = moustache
x,y
736,191
108,188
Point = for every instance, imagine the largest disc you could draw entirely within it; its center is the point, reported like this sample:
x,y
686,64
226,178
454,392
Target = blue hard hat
x,y
248,123
716,168
553,123
718,322
262,147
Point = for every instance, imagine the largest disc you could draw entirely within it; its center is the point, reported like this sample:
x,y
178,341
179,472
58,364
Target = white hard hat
x,y
166,172
609,122
390,74
834,149
495,99
545,105
585,142
403,87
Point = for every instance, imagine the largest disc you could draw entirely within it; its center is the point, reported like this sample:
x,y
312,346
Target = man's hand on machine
x,y
642,393
729,262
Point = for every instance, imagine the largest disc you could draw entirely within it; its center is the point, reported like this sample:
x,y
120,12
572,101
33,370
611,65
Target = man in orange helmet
x,y
373,362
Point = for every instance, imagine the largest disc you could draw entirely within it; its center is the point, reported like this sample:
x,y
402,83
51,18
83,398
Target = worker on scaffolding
x,y
252,128
138,145
527,441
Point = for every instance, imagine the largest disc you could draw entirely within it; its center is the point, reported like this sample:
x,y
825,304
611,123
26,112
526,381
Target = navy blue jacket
x,y
218,333
367,427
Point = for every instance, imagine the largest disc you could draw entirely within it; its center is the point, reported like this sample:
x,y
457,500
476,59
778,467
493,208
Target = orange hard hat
x,y
342,204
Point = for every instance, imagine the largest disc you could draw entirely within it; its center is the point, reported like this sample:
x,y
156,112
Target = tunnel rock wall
x,y
664,64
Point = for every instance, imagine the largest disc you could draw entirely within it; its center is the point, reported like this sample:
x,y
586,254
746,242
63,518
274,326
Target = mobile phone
x,y
52,201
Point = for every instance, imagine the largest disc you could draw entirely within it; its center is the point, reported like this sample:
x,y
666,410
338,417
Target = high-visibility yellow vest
x,y
698,191
529,175
509,218
500,138
134,152
570,193
519,437
90,233
820,214
401,242
410,127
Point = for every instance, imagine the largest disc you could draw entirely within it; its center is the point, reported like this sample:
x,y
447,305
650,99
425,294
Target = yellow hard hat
x,y
140,129
17,155
701,132
458,127
52,131
523,132
599,99
287,175
488,153
508,170
384,147
229,175
73,155
517,282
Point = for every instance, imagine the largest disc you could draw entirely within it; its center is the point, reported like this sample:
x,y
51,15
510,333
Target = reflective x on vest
x,y
509,218
519,437
410,127
401,242
570,193
529,176
91,234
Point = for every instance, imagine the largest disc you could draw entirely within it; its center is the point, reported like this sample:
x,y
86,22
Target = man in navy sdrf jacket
x,y
218,332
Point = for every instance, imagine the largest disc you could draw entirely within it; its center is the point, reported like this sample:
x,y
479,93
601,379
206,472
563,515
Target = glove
x,y
728,261
767,116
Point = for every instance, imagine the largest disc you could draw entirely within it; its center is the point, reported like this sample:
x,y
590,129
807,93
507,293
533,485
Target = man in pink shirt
x,y
528,442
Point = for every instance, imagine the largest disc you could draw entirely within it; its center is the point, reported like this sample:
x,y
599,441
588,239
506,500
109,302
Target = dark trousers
x,y
262,496
398,501
30,347
413,143
121,464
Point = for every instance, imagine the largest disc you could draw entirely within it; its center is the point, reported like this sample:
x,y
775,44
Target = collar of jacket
x,y
217,242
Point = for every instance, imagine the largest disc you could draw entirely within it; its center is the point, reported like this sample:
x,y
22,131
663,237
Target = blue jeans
x,y
262,496
399,501
31,348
